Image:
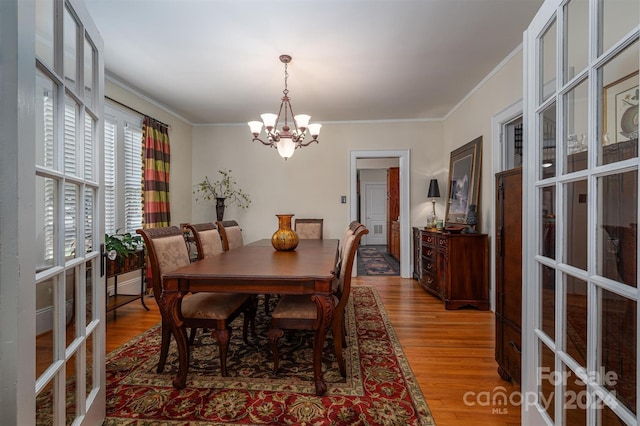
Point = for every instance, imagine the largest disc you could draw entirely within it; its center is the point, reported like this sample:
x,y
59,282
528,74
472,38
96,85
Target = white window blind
x,y
123,171
133,177
110,125
49,189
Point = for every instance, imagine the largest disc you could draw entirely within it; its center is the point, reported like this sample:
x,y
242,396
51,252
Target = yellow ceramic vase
x,y
285,238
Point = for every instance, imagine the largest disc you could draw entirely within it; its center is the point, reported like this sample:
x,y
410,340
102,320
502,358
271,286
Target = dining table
x,y
257,268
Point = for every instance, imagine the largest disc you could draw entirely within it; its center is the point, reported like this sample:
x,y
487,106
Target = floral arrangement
x,y
225,187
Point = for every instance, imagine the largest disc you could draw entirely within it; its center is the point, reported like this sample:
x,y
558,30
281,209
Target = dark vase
x,y
219,209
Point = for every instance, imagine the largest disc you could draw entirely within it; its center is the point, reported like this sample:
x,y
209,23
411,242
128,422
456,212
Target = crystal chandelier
x,y
286,140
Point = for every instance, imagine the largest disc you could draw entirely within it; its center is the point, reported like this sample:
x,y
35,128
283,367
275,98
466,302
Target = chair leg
x,y
338,342
274,334
250,318
267,298
222,337
192,335
164,346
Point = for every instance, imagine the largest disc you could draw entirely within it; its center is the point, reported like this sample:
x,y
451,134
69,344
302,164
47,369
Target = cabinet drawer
x,y
428,252
428,265
428,239
443,243
429,280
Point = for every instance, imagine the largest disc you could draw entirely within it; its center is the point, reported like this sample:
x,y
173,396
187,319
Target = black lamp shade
x,y
434,190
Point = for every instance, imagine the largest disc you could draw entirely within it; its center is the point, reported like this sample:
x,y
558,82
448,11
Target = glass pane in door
x,y
44,32
548,51
548,144
546,379
619,104
576,127
576,319
548,222
46,94
618,343
577,238
70,50
618,214
548,301
577,31
617,19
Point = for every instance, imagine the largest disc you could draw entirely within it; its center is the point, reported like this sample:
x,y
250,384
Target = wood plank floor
x,y
451,352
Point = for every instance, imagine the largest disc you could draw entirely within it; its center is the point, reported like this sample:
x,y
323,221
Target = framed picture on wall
x,y
464,181
620,105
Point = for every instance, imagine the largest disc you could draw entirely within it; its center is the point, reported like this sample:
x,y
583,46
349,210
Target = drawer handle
x,y
429,266
430,280
514,346
429,253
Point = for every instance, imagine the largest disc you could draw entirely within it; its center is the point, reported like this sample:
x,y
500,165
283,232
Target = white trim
x,y
404,158
497,165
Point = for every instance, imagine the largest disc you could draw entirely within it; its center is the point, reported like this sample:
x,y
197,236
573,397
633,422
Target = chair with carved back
x,y
300,312
207,239
167,251
231,234
309,228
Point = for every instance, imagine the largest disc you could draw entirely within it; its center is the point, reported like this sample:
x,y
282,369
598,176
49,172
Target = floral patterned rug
x,y
380,388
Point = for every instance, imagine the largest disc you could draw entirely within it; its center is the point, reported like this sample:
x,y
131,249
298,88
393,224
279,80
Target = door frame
x,y
404,158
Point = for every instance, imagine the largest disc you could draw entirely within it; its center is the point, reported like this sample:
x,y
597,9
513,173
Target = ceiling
x,y
216,61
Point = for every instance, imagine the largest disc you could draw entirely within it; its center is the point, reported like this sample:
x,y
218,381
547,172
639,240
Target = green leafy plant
x,y
122,244
225,187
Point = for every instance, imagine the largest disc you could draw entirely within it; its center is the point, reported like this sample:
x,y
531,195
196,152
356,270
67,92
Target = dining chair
x,y
207,239
167,251
309,228
231,234
300,312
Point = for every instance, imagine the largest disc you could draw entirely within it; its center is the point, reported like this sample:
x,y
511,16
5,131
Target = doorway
x,y
403,157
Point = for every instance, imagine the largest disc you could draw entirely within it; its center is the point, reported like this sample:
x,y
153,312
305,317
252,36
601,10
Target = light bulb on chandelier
x,y
285,140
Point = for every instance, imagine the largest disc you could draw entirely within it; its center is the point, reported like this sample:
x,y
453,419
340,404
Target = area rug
x,y
374,260
380,388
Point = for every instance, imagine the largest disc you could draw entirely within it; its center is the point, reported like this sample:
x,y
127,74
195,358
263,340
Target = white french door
x,y
580,310
69,293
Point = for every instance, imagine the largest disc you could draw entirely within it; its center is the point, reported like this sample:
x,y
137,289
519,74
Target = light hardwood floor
x,y
451,352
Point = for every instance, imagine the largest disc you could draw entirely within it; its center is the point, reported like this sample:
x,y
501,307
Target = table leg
x,y
171,301
325,306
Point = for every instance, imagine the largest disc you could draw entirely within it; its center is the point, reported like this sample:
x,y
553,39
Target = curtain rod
x,y
136,111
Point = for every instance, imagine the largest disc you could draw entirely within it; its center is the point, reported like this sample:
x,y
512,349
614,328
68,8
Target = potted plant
x,y
224,191
123,250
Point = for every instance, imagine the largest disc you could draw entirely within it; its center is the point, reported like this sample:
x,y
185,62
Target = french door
x,y
580,316
69,302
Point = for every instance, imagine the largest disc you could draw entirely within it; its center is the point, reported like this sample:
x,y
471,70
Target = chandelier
x,y
286,140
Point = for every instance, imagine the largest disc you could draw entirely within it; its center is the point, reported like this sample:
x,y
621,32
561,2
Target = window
x,y
123,150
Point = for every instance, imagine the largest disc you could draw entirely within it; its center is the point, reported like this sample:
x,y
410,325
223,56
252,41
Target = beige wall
x,y
473,118
311,182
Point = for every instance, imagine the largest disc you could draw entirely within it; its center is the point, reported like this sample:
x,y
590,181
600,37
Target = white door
x,y
375,213
580,318
69,291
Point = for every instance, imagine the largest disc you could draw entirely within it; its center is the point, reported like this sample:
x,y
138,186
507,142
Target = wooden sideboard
x,y
455,268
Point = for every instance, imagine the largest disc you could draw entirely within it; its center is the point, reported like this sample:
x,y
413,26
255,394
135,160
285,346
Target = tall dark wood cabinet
x,y
393,211
509,273
455,268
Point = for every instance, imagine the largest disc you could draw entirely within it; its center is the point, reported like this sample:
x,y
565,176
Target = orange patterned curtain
x,y
155,188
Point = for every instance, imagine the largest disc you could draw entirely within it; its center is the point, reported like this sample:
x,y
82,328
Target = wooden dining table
x,y
257,268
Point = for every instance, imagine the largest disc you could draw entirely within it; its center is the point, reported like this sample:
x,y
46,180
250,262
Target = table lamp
x,y
434,192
